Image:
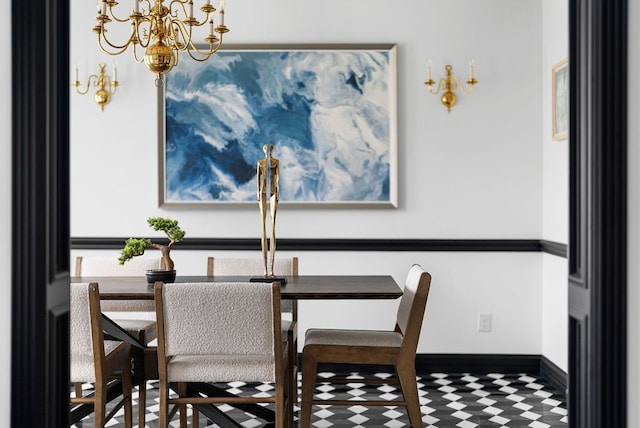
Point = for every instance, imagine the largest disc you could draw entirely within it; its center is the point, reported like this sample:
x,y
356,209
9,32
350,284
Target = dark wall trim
x,y
553,374
245,244
554,248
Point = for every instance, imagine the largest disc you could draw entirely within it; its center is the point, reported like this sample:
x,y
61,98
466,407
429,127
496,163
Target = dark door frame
x,y
40,213
598,214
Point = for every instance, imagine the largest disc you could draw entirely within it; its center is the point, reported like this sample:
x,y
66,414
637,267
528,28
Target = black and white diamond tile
x,y
495,400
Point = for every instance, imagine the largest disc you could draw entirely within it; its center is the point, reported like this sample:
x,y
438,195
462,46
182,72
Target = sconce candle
x,y
449,83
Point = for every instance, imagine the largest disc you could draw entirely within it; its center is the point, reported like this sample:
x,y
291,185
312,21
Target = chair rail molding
x,y
312,244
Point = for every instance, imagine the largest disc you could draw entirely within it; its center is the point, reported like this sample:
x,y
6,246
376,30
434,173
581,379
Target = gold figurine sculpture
x,y
268,192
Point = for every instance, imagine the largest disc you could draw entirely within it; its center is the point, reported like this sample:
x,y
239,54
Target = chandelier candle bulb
x,y
115,72
211,27
191,9
136,6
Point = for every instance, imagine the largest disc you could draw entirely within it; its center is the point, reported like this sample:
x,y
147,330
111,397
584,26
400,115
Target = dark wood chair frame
x,y
144,337
291,327
186,395
402,358
115,365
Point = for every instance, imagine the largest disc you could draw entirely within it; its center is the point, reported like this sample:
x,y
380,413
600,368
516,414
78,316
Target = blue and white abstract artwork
x,y
330,113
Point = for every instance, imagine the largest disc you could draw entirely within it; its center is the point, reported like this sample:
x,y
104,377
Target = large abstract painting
x,y
330,112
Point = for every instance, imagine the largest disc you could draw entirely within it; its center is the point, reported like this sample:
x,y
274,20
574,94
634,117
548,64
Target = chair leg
x,y
127,387
99,405
78,389
293,361
163,420
182,392
309,368
407,378
195,417
142,403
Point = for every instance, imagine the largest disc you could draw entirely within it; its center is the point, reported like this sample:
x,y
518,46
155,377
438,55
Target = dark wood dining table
x,y
303,287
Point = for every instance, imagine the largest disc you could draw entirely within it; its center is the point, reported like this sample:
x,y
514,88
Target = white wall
x,y
473,173
633,290
5,219
555,191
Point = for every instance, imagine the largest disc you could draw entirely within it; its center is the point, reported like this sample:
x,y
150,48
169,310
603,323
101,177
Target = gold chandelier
x,y
160,31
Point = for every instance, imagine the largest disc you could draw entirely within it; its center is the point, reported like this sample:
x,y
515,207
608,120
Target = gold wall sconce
x,y
106,85
449,83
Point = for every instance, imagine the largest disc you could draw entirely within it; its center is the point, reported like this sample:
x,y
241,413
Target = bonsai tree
x,y
134,247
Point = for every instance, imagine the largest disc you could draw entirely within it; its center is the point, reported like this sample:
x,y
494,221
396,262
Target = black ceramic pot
x,y
160,275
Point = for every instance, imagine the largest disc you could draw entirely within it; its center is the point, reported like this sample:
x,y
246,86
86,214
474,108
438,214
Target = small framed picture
x,y
560,100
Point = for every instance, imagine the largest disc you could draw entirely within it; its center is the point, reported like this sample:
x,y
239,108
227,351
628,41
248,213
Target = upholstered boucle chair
x,y
254,266
94,360
121,310
220,332
395,347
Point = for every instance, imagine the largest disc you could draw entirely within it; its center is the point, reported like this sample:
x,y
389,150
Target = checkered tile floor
x,y
447,400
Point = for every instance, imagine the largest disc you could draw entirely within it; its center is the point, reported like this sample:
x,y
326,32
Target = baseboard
x,y
553,374
536,365
477,363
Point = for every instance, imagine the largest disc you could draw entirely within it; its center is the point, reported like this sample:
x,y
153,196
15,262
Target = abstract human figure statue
x,y
268,191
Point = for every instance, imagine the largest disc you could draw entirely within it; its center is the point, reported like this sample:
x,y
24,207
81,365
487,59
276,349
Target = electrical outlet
x,y
484,322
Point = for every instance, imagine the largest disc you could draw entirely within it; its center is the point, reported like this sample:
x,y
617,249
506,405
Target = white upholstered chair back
x,y
90,266
412,304
218,325
83,368
251,266
254,266
81,341
109,266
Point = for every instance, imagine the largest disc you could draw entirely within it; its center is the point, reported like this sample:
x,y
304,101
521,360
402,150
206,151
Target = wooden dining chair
x,y
106,364
395,347
254,266
144,330
220,332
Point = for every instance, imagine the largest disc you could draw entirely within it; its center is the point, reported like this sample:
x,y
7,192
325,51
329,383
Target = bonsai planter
x,y
160,275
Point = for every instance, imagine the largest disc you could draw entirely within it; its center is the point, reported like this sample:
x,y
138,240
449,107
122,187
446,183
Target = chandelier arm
x,y
147,21
135,55
115,18
205,57
205,54
179,34
119,49
181,4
